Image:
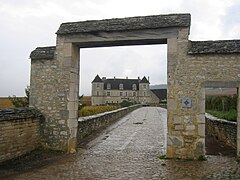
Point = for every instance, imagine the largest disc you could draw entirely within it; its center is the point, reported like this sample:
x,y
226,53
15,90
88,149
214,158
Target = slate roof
x,y
43,53
97,79
210,47
144,80
160,93
124,24
127,83
115,82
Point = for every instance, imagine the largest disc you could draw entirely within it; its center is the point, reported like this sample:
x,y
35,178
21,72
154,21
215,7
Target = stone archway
x,y
55,76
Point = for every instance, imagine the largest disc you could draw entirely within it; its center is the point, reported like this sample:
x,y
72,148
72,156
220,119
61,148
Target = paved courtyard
x,y
130,149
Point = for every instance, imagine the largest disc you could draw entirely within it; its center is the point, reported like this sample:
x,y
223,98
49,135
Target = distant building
x,y
114,91
160,91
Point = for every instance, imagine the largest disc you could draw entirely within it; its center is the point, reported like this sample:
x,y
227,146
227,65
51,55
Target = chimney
x,y
104,78
148,79
126,77
138,79
114,78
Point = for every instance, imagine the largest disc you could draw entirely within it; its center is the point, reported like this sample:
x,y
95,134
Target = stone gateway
x,y
192,66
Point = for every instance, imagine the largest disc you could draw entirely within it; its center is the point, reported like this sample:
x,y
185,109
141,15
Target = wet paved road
x,y
130,149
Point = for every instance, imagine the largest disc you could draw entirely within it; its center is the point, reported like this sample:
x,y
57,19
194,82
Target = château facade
x,y
115,90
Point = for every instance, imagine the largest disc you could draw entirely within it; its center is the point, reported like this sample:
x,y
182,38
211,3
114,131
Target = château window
x,y
144,93
121,93
134,87
97,85
134,93
108,86
121,86
126,93
108,94
97,93
144,86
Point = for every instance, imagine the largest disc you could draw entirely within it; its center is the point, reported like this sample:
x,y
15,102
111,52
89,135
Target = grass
x,y
228,115
202,158
92,110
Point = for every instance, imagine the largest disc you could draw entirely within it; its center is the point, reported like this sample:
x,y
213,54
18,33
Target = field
x,y
6,103
92,110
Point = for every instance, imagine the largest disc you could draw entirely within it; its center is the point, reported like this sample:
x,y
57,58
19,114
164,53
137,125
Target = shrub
x,y
21,101
126,103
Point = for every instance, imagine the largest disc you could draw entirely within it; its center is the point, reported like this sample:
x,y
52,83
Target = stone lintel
x,y
221,84
126,24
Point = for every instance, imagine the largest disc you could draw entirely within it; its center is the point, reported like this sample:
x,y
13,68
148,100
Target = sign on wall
x,y
186,102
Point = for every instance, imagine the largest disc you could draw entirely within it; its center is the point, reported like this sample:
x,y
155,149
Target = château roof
x,y
144,80
127,83
97,79
115,82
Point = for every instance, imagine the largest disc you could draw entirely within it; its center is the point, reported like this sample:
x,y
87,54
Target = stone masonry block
x,y
201,118
190,127
72,123
172,45
177,120
183,34
67,49
201,130
172,104
73,96
189,133
73,132
72,106
201,106
73,78
73,114
175,141
179,127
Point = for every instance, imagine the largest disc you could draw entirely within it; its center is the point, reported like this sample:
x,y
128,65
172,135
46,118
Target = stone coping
x,y
43,53
82,119
213,118
126,24
214,47
18,113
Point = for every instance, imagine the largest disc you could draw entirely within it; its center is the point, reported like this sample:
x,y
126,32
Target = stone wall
x,y
19,132
91,124
188,76
222,130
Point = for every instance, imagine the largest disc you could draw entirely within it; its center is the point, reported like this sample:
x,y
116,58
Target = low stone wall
x,y
19,132
90,124
222,130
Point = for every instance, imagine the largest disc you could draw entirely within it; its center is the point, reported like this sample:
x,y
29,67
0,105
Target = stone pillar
x,y
172,102
186,125
68,59
54,91
238,122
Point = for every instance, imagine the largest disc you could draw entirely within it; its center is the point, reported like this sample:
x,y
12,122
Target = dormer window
x,y
121,86
134,87
108,86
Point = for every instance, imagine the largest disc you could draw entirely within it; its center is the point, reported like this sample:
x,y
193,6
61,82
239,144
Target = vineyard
x,y
92,110
223,107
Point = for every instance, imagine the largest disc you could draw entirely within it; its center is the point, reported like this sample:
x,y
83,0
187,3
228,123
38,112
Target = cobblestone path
x,y
129,149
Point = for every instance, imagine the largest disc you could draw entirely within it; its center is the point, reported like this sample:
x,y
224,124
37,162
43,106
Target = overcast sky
x,y
27,24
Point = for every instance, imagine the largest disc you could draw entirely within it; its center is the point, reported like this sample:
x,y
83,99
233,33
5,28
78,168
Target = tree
x,y
21,101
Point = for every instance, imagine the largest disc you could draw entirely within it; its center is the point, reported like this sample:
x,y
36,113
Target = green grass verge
x,y
228,115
